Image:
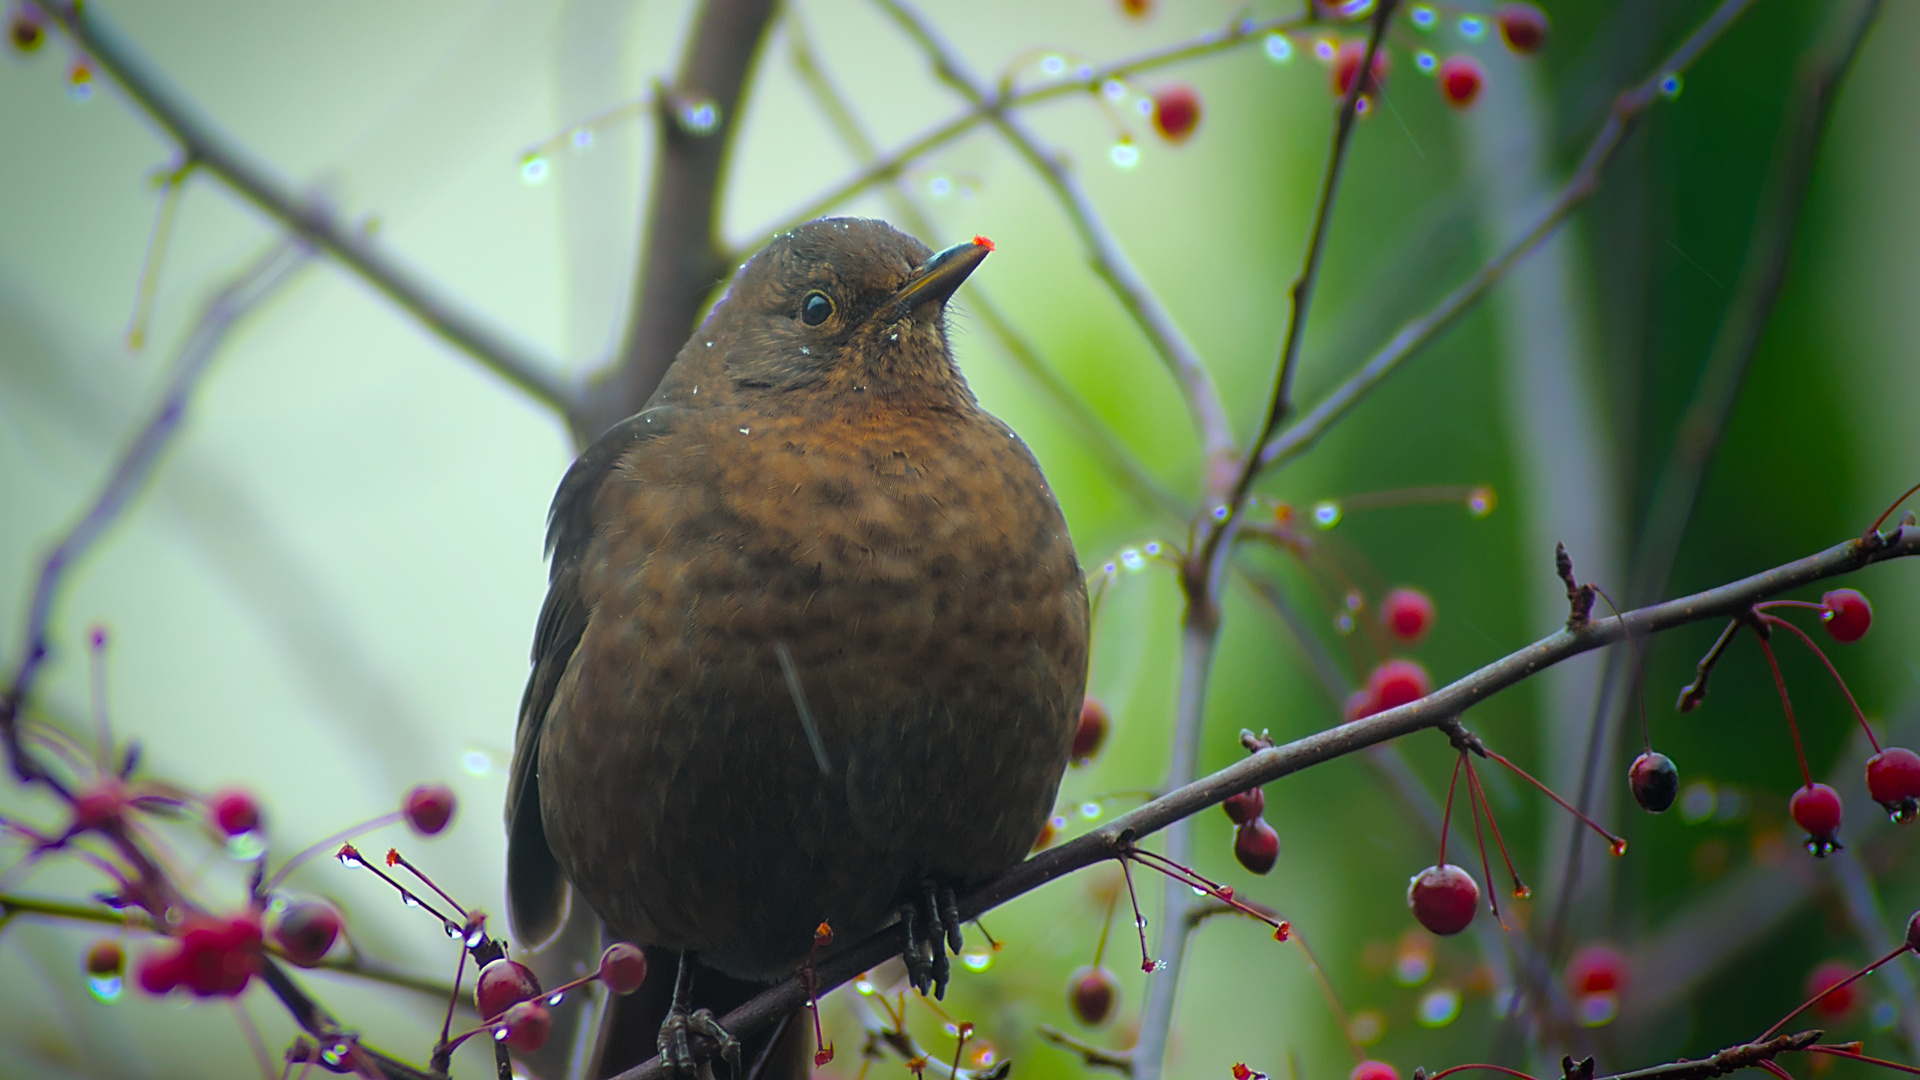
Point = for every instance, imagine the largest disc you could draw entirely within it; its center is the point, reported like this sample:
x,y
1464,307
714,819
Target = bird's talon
x,y
703,1022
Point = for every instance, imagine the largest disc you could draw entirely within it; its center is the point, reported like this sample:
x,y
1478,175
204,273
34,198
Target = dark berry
x,y
1524,27
1444,898
307,930
1848,615
1816,808
623,967
1176,112
525,1027
234,812
1346,63
1654,781
1407,614
106,959
1396,683
501,985
1460,80
1373,1070
1092,994
1893,779
1245,806
1092,732
1256,845
1823,982
428,808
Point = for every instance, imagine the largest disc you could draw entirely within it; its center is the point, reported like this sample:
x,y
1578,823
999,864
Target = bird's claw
x,y
676,1044
933,927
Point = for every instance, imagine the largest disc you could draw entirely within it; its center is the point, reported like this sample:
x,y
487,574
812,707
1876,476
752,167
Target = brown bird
x,y
815,639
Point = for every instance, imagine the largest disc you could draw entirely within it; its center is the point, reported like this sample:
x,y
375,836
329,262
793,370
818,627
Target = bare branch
x,y
1299,436
1109,260
1436,709
246,292
205,145
682,258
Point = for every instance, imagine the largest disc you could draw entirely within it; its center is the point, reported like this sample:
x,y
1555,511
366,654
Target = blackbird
x,y
815,638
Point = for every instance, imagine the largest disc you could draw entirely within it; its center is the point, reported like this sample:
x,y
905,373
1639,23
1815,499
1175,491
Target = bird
x,y
814,644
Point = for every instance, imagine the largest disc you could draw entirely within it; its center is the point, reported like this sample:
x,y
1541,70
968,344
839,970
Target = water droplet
x,y
863,987
1198,891
1053,65
1131,559
976,961
1114,89
474,939
1326,513
337,1053
1671,86
350,862
1144,106
475,763
1438,1007
582,138
700,116
1325,50
1903,811
1883,1016
1597,1010
1090,810
1413,966
1109,569
1520,890
1219,513
500,1033
1696,802
1084,72
939,187
1423,17
246,847
1481,501
1355,600
1153,549
105,987
1125,154
1343,625
1425,61
556,999
1279,49
534,170
409,899
1617,846
1472,28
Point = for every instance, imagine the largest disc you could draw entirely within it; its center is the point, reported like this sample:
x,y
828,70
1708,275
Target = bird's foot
x,y
676,1042
933,927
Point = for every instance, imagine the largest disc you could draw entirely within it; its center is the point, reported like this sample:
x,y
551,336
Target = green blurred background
x,y
328,592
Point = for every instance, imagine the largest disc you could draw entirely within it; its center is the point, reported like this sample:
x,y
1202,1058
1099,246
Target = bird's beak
x,y
939,276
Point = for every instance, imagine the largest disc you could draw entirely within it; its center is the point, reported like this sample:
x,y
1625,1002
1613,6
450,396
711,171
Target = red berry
x,y
1893,779
1816,807
623,967
306,931
1848,615
525,1027
106,959
158,972
1407,614
428,808
1523,26
1245,806
28,28
218,957
1596,969
234,812
1256,845
1359,705
1822,982
1444,898
1176,112
1396,683
1460,80
1373,1070
1346,63
101,805
501,985
1092,732
1138,9
1092,994
1654,781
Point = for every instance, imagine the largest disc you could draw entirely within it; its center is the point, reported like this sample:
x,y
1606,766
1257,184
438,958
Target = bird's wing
x,y
536,889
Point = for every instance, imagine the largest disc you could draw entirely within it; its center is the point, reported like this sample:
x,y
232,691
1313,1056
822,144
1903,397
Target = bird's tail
x,y
630,1026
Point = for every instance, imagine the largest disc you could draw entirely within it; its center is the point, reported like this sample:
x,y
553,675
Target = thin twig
x,y
1300,435
208,147
1109,261
1436,709
259,281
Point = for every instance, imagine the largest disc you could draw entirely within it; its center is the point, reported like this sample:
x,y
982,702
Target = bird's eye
x,y
816,309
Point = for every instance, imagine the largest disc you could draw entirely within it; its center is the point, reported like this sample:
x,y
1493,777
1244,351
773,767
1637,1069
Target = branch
x,y
1110,262
247,291
682,257
1732,1059
305,217
1627,110
1441,707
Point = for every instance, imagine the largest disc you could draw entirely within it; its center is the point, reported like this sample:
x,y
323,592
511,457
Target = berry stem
x,y
1807,1004
394,858
1333,1000
1786,703
1639,678
407,896
1106,924
1223,893
1480,839
1808,604
1618,845
1841,1052
1446,815
1520,890
1772,620
1139,920
331,843
1888,512
1501,1069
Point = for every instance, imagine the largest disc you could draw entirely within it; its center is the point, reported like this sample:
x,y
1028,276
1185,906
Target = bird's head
x,y
845,306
